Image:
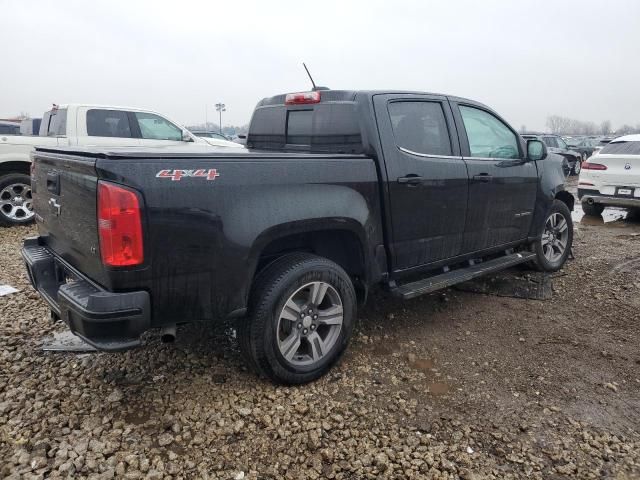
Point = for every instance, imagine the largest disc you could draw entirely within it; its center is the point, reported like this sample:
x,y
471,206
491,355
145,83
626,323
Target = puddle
x,y
611,215
438,388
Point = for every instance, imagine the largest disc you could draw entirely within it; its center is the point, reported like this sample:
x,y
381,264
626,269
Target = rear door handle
x,y
483,177
411,180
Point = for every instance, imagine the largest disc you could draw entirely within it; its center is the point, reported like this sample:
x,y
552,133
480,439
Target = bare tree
x,y
555,123
605,127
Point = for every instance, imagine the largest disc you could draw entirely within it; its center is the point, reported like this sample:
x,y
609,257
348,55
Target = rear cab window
x,y
58,123
329,126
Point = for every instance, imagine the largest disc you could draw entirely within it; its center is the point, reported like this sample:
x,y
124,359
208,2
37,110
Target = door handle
x,y
483,177
411,180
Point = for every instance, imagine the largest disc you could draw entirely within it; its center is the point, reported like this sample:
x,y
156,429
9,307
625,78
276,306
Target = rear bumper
x,y
592,196
108,321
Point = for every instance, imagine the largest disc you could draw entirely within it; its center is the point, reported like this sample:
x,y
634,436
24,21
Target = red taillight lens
x,y
119,225
593,166
302,98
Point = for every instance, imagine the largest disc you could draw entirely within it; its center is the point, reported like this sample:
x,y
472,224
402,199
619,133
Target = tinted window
x,y
10,129
488,136
155,127
299,127
58,123
621,148
420,127
108,123
550,142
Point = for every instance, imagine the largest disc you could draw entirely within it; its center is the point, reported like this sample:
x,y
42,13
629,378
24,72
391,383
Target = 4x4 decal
x,y
177,175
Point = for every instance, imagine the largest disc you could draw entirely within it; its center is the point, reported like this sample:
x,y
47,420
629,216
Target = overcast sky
x,y
526,59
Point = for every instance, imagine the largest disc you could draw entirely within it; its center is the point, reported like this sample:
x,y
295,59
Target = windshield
x,y
561,143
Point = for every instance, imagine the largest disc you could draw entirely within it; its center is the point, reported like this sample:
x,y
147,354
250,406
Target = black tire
x,y
543,263
273,287
593,210
6,182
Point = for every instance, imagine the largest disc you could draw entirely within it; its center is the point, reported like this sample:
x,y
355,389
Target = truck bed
x,y
206,216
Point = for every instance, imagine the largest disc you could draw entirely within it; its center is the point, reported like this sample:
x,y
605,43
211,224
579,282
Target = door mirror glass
x,y
536,150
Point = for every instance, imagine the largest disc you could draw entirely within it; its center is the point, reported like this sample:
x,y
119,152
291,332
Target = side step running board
x,y
444,280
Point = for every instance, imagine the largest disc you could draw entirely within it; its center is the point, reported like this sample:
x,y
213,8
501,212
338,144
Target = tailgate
x,y
64,199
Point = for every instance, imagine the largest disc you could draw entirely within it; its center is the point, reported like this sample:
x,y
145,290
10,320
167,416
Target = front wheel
x,y
301,315
554,245
16,204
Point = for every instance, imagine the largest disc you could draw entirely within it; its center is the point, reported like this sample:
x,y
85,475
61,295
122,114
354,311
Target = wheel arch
x,y
341,240
566,198
15,166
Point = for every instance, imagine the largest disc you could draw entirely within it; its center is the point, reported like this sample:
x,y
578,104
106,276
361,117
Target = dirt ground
x,y
451,385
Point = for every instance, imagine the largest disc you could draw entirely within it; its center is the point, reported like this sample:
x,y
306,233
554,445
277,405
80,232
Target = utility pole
x,y
220,107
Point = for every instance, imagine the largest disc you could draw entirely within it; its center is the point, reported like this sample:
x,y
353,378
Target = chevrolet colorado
x,y
80,125
336,191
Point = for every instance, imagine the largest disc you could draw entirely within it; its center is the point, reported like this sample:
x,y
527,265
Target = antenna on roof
x,y
315,88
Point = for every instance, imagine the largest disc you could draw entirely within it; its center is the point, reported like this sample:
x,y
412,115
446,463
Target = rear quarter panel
x,y
204,237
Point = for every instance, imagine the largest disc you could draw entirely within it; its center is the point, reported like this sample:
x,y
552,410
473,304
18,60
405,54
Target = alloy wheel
x,y
309,324
555,237
16,202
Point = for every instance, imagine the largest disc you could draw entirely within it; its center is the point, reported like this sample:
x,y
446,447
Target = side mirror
x,y
186,136
536,150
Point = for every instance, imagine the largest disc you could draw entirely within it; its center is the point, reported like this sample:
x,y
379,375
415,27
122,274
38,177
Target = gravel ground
x,y
452,385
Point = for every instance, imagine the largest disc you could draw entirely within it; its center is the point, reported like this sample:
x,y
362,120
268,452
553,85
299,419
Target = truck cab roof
x,y
329,121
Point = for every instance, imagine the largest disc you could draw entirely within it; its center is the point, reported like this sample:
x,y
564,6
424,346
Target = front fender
x,y
552,181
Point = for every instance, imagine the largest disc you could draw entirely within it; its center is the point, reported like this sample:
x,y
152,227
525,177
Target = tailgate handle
x,y
53,182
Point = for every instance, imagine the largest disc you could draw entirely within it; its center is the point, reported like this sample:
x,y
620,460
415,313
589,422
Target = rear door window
x,y
488,136
550,142
154,127
420,127
108,123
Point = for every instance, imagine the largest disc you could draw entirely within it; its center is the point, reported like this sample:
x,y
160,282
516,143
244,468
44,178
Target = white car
x,y
611,177
83,125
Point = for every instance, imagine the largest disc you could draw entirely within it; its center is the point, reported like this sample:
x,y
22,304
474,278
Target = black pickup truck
x,y
336,191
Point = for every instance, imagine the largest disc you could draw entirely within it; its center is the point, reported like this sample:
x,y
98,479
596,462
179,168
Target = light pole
x,y
220,107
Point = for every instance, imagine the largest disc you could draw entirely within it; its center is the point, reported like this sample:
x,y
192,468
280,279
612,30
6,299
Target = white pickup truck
x,y
82,125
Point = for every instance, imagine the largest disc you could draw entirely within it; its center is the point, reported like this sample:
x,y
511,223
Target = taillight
x,y
119,225
593,166
302,98
32,168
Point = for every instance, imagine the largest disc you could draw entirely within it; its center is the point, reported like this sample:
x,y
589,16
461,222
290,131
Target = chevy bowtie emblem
x,y
627,166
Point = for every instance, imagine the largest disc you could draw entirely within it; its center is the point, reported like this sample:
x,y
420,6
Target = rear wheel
x,y
577,167
554,245
16,204
301,316
592,210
